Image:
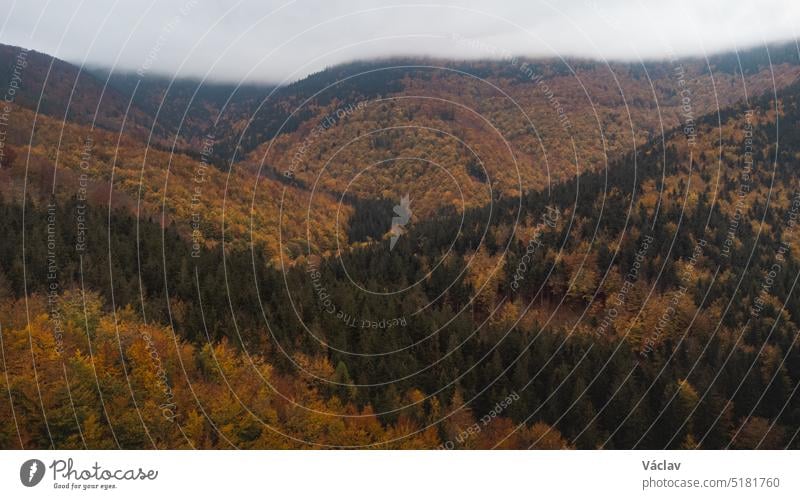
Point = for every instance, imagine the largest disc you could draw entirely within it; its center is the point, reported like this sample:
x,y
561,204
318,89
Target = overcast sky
x,y
277,41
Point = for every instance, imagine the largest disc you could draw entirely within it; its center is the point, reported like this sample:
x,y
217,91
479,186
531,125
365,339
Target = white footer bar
x,y
400,474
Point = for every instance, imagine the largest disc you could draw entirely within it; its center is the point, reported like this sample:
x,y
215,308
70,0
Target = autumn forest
x,y
405,253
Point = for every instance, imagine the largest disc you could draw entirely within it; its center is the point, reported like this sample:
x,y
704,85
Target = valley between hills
x,y
589,255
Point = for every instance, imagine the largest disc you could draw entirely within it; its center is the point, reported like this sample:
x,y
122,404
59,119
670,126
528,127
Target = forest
x,y
644,302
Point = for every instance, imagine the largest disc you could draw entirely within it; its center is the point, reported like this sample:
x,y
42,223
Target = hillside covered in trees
x,y
627,281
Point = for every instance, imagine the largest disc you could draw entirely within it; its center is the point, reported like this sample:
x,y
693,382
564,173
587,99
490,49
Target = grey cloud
x,y
281,41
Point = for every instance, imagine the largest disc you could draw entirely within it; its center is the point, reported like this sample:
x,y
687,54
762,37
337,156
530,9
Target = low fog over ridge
x,y
284,41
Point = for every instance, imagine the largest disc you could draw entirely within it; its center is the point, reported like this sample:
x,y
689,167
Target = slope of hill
x,y
449,135
647,306
467,132
189,111
65,160
63,91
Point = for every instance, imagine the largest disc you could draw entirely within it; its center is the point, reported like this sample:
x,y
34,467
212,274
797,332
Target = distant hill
x,y
451,135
